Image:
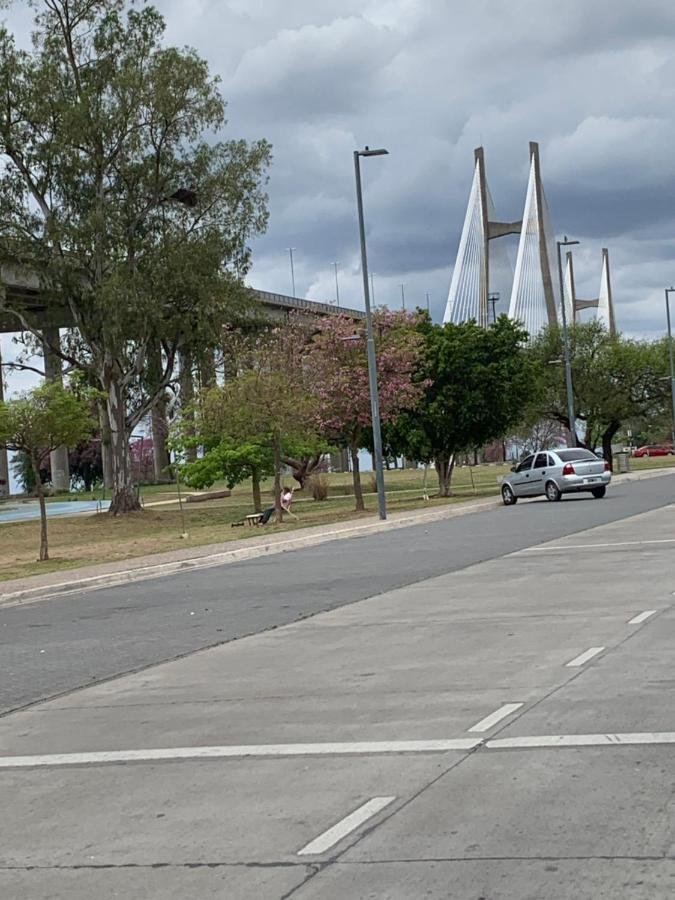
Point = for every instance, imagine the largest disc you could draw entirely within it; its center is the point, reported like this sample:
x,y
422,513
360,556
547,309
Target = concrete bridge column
x,y
4,464
186,386
59,457
159,422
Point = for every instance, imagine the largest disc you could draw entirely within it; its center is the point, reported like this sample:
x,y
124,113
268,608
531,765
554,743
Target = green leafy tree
x,y
234,462
337,359
615,380
478,382
114,194
22,469
266,410
37,423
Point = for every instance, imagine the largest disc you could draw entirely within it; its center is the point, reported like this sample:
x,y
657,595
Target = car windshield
x,y
572,455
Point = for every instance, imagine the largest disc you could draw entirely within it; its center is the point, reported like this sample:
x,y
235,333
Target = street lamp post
x,y
372,362
427,296
566,346
337,287
402,296
290,253
669,291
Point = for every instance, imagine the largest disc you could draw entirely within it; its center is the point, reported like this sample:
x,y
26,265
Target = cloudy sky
x,y
593,82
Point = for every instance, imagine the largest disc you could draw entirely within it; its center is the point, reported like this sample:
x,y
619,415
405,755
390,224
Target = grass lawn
x,y
84,539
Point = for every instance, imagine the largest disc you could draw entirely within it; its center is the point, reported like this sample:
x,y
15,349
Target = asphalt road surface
x,y
497,731
61,644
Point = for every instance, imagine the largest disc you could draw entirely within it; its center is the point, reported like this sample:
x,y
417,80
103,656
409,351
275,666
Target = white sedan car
x,y
557,472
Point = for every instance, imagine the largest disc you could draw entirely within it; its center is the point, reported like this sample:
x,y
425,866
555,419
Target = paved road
x,y
58,645
534,693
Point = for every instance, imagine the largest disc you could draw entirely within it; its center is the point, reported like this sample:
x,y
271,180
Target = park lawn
x,y
90,539
98,538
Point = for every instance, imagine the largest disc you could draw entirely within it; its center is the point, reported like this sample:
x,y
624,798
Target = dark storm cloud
x,y
593,82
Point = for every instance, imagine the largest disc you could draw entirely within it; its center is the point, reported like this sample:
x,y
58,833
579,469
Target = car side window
x,y
540,461
551,461
525,464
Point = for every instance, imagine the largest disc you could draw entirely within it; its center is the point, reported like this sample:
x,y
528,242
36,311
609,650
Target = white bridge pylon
x,y
535,299
470,285
603,303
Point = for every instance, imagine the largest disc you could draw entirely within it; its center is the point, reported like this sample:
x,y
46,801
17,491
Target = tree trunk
x,y
207,370
276,439
607,436
303,467
356,476
160,432
44,547
255,483
444,466
124,496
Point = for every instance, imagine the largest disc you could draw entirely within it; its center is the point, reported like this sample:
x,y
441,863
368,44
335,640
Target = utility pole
x,y
372,360
290,253
337,286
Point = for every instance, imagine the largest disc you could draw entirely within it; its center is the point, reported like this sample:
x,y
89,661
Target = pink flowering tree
x,y
338,362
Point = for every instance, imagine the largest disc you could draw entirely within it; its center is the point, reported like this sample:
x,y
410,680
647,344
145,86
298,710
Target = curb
x,y
143,573
225,557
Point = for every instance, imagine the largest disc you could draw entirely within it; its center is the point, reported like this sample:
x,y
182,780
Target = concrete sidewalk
x,y
22,590
464,660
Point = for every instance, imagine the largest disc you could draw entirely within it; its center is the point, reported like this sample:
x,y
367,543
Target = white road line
x,y
236,752
584,657
642,617
581,740
545,548
345,826
499,714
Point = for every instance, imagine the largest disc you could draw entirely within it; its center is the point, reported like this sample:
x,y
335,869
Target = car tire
x,y
552,491
599,493
508,497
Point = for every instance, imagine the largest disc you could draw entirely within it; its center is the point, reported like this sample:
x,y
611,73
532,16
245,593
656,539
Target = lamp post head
x,y
368,152
566,243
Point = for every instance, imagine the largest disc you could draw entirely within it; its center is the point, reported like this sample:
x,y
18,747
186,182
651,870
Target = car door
x,y
537,479
521,477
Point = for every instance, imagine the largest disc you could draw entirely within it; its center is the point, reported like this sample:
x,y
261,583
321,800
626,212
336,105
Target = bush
x,y
319,487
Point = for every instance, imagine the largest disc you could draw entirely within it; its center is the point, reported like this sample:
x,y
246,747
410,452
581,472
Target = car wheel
x,y
599,493
552,491
508,497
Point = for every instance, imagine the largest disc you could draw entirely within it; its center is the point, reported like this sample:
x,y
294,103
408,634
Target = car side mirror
x,y
513,468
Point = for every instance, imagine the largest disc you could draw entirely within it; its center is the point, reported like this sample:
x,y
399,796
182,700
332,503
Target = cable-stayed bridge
x,y
535,294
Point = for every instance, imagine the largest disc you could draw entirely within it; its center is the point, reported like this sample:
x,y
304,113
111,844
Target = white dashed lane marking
x,y
495,717
236,752
642,617
584,657
546,741
345,826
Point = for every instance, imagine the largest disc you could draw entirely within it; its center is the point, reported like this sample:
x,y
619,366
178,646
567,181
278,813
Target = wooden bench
x,y
254,519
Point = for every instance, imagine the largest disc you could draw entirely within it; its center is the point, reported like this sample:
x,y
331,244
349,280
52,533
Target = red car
x,y
654,450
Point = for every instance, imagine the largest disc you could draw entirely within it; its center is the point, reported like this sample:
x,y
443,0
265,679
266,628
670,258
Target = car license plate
x,y
590,480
